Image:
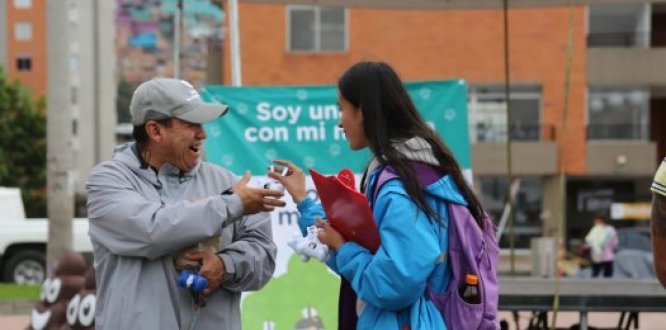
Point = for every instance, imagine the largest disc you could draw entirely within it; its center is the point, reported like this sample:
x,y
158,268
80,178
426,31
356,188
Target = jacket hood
x,y
415,149
418,150
446,190
128,154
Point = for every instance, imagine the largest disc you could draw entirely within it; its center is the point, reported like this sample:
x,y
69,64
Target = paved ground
x,y
647,321
14,322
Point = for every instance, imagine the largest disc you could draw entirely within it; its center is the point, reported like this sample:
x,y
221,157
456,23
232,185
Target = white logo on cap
x,y
193,93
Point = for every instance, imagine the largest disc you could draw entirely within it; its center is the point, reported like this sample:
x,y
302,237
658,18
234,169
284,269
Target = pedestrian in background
x,y
602,241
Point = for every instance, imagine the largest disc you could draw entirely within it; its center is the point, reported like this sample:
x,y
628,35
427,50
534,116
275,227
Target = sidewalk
x,y
14,322
15,315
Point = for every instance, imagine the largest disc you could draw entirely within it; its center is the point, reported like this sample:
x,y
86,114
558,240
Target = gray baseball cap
x,y
162,98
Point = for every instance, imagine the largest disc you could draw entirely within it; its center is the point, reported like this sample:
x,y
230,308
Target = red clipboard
x,y
347,210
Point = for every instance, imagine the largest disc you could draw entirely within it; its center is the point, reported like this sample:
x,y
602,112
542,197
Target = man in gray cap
x,y
157,197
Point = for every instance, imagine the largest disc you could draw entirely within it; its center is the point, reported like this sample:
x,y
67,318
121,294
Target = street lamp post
x,y
60,178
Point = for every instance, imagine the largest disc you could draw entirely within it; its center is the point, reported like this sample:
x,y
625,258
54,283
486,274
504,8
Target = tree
x,y
23,144
123,99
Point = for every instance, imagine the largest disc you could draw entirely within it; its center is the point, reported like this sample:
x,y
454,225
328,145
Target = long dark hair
x,y
389,115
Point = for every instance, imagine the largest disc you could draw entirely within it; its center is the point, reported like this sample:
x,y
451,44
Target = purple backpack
x,y
471,251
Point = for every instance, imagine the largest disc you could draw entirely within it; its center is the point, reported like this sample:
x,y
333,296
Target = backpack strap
x,y
425,174
387,173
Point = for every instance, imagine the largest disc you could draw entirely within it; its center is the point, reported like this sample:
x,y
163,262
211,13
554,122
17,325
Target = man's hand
x,y
212,269
293,181
256,200
329,236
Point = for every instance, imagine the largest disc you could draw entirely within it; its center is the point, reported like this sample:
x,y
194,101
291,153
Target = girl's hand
x,y
329,236
293,181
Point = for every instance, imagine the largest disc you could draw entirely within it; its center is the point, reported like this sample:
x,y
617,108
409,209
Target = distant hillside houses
x,y
145,32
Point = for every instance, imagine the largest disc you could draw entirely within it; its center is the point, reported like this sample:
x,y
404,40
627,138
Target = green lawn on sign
x,y
284,301
10,292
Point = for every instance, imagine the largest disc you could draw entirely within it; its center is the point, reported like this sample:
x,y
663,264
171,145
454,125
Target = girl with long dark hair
x,y
387,289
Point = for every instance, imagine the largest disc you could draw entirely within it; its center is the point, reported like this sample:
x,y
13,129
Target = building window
x,y
626,25
528,207
23,31
22,4
24,63
316,29
618,114
487,111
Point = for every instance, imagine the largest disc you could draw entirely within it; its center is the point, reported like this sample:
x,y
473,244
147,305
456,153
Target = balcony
x,y
621,158
620,149
624,45
622,66
533,149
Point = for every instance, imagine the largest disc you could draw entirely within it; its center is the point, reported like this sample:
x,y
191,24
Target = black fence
x,y
618,132
618,39
519,132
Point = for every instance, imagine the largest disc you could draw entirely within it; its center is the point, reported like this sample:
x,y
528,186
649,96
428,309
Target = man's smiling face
x,y
183,144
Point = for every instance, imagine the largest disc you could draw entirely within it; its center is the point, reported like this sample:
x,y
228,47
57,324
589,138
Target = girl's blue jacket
x,y
392,282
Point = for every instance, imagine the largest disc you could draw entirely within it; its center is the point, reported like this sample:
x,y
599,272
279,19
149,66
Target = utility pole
x,y
59,154
234,43
509,167
214,62
177,27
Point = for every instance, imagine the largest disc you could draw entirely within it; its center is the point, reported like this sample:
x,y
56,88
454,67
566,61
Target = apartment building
x,y
23,42
91,33
616,101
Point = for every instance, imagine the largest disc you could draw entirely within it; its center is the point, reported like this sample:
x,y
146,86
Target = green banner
x,y
300,124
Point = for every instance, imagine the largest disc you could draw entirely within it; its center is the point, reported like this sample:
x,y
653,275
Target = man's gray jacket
x,y
140,219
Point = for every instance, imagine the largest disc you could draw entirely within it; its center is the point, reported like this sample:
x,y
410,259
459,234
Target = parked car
x,y
23,241
635,238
